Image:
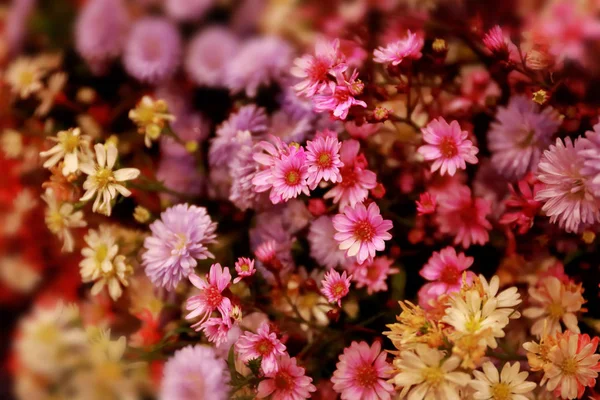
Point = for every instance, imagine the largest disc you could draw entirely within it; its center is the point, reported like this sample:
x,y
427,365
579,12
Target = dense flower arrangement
x,y
372,200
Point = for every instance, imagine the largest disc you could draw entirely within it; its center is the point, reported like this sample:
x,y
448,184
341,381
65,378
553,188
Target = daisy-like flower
x,y
323,159
445,269
150,116
245,268
373,274
72,147
208,53
567,195
510,384
102,263
425,374
362,373
522,207
361,231
464,217
338,97
408,48
24,76
217,329
102,181
289,382
179,238
211,295
519,135
426,204
591,156
553,301
335,286
264,344
61,218
448,146
318,70
495,41
323,247
290,174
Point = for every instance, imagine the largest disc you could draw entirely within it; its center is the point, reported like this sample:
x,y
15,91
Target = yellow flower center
x,y
292,177
324,160
556,310
101,253
26,77
47,334
55,221
70,143
433,375
501,391
104,176
245,267
569,367
472,325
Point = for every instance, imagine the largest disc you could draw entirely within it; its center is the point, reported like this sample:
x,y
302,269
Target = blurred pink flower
x,y
217,330
317,71
335,286
521,204
394,53
263,344
323,247
446,270
373,274
426,204
495,41
289,382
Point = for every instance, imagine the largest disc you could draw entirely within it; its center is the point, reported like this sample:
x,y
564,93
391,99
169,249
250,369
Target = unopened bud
x,y
141,214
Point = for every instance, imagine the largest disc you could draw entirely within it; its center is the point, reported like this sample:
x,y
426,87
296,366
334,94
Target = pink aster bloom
x,y
289,382
323,247
217,329
394,53
338,97
495,41
264,344
373,274
210,297
361,231
318,70
591,156
426,204
521,206
567,195
448,146
245,268
446,270
356,179
363,372
323,159
464,217
290,174
335,286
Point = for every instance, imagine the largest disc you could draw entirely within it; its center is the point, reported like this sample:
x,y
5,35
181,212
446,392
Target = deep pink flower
x,y
289,382
495,41
245,268
362,373
426,204
394,53
448,146
361,231
335,286
290,174
464,217
446,270
263,343
210,297
373,274
267,155
338,97
318,70
323,160
521,205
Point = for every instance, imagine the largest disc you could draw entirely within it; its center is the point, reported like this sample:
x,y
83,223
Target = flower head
x,y
335,286
208,54
445,269
323,160
521,205
338,97
210,297
150,117
323,247
373,274
290,174
591,157
318,70
287,382
187,10
408,48
24,76
61,217
510,384
263,344
426,204
495,41
245,268
72,147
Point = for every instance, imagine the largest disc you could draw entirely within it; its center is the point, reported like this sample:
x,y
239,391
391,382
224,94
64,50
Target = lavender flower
x,y
243,168
290,127
153,50
180,174
190,127
591,156
15,23
187,10
178,238
323,247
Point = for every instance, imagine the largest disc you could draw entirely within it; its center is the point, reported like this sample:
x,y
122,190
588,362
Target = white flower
x,y
71,146
102,181
102,264
24,76
510,384
424,374
60,218
11,143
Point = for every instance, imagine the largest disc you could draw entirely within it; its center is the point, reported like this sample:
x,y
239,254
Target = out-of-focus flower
x,y
187,10
508,384
208,54
150,116
426,204
317,71
245,268
72,147
495,41
61,217
448,146
11,143
323,159
408,48
522,206
362,373
373,274
243,169
181,175
519,135
195,372
102,181
288,382
24,76
178,238
210,298
263,344
141,214
153,50
446,270
591,156
323,247
15,24
338,97
335,286
56,83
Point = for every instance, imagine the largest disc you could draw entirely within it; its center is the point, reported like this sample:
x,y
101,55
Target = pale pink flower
x,y
210,298
245,268
335,286
338,97
445,269
373,274
318,70
426,204
448,146
495,41
361,231
290,174
289,382
394,53
323,159
263,343
363,372
217,330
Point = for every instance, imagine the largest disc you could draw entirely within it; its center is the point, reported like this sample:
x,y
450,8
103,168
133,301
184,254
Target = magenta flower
x,y
323,159
318,70
426,204
289,382
447,146
263,344
335,286
495,41
446,270
394,53
338,98
373,274
361,231
245,268
521,206
363,372
210,298
217,329
290,174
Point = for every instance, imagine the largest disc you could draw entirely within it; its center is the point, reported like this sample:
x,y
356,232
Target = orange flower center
x,y
364,231
292,177
366,376
448,148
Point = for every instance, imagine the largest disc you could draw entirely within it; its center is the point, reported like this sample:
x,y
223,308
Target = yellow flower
x,y
150,116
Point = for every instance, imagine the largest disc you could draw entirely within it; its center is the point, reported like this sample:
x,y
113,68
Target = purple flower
x,y
190,127
15,23
195,372
323,247
243,168
153,50
178,238
187,10
180,174
519,135
289,127
207,55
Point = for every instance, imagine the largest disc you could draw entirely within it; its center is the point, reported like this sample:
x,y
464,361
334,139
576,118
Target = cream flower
x,y
24,76
510,384
56,83
60,218
71,146
150,116
102,181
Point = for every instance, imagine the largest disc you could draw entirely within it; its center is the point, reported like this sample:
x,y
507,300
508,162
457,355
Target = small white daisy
x,y
72,147
60,218
510,384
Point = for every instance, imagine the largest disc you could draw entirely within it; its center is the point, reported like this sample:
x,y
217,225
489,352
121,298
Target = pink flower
x,y
290,175
338,97
266,253
373,274
356,180
521,205
289,382
335,286
263,343
323,159
318,70
446,270
448,146
495,41
426,204
361,231
362,373
394,53
464,217
267,156
245,268
210,297
217,329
